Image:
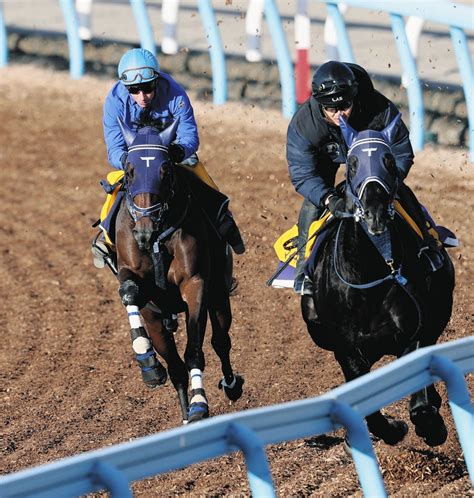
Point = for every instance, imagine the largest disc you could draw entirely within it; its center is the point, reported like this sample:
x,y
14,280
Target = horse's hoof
x,y
397,431
429,425
155,376
234,390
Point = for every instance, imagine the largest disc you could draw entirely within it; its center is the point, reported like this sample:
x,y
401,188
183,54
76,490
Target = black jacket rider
x,y
316,148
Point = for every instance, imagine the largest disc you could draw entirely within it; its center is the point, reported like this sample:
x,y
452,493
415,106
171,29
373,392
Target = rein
x,y
394,272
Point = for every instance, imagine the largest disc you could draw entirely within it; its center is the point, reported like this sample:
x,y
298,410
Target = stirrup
x,y
101,255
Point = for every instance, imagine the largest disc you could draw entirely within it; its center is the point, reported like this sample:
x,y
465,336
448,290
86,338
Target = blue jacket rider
x,y
144,90
315,147
145,95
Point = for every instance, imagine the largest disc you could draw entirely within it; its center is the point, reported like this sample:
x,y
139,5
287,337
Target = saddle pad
x,y
110,207
284,247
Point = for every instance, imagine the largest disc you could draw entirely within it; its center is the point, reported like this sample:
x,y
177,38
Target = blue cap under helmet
x,y
138,65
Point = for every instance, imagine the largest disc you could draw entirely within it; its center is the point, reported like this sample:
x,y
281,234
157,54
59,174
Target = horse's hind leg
x,y
165,345
392,431
221,319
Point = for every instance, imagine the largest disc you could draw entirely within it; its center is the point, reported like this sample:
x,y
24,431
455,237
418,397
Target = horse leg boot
x,y
391,430
424,414
308,213
193,293
153,372
221,319
431,249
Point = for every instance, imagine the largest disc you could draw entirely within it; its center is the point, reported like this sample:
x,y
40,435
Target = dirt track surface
x,y
69,381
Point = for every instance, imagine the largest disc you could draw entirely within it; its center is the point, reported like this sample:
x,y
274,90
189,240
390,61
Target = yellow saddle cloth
x,y
286,245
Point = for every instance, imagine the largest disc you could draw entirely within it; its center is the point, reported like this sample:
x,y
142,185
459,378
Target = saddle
x,y
286,245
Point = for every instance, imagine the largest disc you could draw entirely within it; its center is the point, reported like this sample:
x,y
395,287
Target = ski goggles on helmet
x,y
138,75
147,87
333,86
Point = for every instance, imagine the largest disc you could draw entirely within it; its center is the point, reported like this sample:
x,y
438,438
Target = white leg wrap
x,y
196,379
141,345
231,385
134,317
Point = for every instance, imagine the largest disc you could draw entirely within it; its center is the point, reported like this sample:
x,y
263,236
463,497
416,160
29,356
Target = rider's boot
x,y
308,213
229,231
430,252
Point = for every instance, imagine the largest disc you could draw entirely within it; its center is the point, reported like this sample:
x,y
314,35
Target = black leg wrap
x,y
129,293
153,372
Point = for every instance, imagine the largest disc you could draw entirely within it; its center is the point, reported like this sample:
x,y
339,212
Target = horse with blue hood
x,y
170,259
371,296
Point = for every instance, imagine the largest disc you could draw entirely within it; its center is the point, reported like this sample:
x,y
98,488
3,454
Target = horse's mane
x,y
145,120
377,124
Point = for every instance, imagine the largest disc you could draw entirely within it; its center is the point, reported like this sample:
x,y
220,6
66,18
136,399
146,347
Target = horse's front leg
x,y
153,372
193,292
391,430
424,408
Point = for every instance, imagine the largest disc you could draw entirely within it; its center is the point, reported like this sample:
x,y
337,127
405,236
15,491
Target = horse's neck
x,y
356,250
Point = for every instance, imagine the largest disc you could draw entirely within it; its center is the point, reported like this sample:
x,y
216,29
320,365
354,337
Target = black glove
x,y
176,153
336,204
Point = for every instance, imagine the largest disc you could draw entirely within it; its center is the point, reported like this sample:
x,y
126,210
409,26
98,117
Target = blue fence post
x,y
147,40
461,407
216,52
415,95
285,65
260,478
362,451
111,478
3,40
343,42
76,54
463,57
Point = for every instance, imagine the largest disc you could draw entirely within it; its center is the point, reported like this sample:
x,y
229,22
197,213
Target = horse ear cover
x,y
128,134
348,132
169,134
390,131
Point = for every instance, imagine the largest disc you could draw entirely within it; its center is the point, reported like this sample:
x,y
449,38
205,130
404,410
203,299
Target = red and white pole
x,y
302,41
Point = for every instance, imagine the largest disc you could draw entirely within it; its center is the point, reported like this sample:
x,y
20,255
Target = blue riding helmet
x,y
137,66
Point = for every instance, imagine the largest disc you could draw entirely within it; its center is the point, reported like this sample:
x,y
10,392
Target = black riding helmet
x,y
334,84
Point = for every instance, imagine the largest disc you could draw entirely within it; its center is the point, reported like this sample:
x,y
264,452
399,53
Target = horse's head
x,y
149,178
372,179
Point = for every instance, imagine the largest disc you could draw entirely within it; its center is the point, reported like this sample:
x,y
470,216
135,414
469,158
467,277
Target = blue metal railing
x,y
458,17
113,468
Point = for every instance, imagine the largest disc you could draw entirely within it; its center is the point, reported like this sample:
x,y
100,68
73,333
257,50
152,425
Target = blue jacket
x,y
170,102
315,149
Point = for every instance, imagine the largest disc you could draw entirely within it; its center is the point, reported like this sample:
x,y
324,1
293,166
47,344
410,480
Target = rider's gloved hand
x,y
336,204
176,153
